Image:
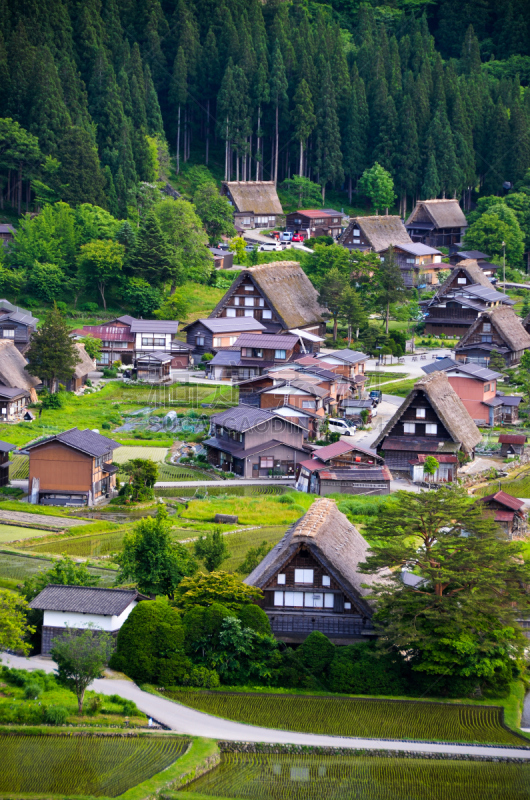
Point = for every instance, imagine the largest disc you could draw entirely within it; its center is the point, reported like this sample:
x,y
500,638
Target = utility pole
x,y
504,267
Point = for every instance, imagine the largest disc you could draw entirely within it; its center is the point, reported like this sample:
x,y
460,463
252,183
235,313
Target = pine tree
x,y
261,95
226,100
328,144
303,118
494,167
470,58
178,94
152,257
52,354
80,172
431,184
155,124
391,287
110,192
278,98
49,115
519,151
407,152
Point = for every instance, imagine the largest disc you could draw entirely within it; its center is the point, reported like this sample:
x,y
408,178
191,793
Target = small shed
x,y
5,449
154,367
509,513
82,607
512,444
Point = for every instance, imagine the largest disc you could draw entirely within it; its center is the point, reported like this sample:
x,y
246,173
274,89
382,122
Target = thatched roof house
x,y
310,580
437,222
468,269
280,295
497,330
256,203
432,421
375,233
13,372
85,365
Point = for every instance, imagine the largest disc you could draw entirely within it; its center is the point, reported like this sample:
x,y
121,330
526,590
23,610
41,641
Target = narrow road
x,y
188,721
229,482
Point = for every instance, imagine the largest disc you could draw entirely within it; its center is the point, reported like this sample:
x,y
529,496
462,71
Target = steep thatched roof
x,y
444,213
447,405
473,272
332,539
86,364
381,231
257,196
288,289
13,371
507,324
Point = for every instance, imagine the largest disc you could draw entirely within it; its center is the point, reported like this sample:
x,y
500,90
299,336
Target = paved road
x,y
188,721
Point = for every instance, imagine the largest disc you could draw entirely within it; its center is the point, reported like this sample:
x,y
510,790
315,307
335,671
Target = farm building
x,y
16,324
375,233
13,404
13,372
497,329
154,367
279,295
438,223
223,259
71,468
81,607
312,222
256,204
207,335
509,513
7,234
432,421
343,468
5,449
310,579
353,409
512,444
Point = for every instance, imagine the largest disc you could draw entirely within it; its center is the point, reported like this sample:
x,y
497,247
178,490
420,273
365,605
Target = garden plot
x,y
15,568
49,520
157,420
322,777
356,716
126,453
14,533
83,765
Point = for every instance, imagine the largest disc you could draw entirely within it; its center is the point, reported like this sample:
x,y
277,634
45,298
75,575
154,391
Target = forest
x,y
96,91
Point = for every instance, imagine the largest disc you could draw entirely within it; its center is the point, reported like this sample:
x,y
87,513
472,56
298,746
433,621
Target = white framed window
x,y
279,354
347,606
9,333
217,341
246,220
249,301
486,327
329,600
303,575
153,341
461,281
410,261
326,580
230,312
200,340
409,427
249,312
266,314
248,287
308,404
356,232
233,340
431,429
267,462
280,578
486,387
420,413
236,301
261,302
313,600
278,598
272,219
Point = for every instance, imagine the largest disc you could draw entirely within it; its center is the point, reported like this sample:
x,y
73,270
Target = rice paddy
x,y
360,717
15,568
19,469
14,533
256,510
83,765
126,453
344,777
224,488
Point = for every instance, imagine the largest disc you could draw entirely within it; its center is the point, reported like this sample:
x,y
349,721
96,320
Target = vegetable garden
x,y
360,717
320,777
83,765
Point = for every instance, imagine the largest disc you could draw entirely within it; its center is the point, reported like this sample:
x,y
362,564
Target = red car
x,y
297,238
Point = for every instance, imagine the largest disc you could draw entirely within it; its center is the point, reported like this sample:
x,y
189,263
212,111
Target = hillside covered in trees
x,y
436,92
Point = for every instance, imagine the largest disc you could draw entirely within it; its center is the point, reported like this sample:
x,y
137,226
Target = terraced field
x,y
15,568
14,533
80,765
326,777
362,717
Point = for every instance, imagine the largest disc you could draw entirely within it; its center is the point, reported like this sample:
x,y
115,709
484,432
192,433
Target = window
x,y
104,358
410,260
272,219
486,339
431,429
266,314
153,341
249,312
236,301
486,327
409,427
246,220
281,578
329,600
313,600
249,301
230,312
303,576
232,340
266,462
261,302
347,606
326,580
217,341
9,333
279,354
248,287
420,413
308,404
461,281
200,340
278,598
486,387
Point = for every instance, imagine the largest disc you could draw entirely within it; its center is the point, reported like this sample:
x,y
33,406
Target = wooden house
x,y
13,404
508,512
349,363
13,372
347,467
72,468
117,341
310,422
420,264
256,203
279,295
512,444
255,443
497,329
313,222
376,233
432,421
126,339
352,409
5,449
154,367
463,296
77,607
298,393
207,335
438,223
16,325
253,354
482,260
7,234
310,580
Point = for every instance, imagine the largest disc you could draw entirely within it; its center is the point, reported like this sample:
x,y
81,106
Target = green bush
x,y
255,618
32,691
202,678
93,706
56,715
316,653
130,709
357,669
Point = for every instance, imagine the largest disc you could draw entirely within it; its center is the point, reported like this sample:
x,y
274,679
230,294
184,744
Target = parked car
x,y
286,236
342,427
376,395
297,237
222,246
249,248
272,246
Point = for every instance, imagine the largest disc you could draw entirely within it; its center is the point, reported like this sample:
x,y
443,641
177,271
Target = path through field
x,y
186,720
44,520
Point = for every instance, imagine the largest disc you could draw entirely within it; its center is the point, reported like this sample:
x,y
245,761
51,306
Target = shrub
x,y
316,653
56,715
130,709
254,617
89,307
32,691
357,669
94,705
51,401
203,678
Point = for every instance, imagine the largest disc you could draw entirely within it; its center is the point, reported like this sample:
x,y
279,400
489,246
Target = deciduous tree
x,y
14,626
101,262
377,184
81,656
212,549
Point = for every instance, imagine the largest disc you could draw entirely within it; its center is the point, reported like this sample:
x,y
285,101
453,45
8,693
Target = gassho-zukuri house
x,y
310,580
81,607
432,421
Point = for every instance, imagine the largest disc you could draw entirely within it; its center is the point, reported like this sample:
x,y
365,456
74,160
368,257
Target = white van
x,y
342,427
272,246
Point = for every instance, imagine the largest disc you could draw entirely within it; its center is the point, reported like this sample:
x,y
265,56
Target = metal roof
x,y
334,450
487,293
154,326
267,341
227,324
311,337
9,392
315,213
86,441
158,355
512,438
475,255
348,356
469,370
110,333
242,418
356,473
419,249
6,447
85,599
504,499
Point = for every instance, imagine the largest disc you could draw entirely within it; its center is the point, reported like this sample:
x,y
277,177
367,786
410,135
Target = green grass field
x,y
252,510
519,487
14,533
400,388
354,716
19,469
15,568
345,777
123,454
238,543
80,765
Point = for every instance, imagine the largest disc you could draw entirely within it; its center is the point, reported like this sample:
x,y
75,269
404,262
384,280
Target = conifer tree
x,y
178,94
80,172
303,118
278,98
328,144
52,354
152,258
431,184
